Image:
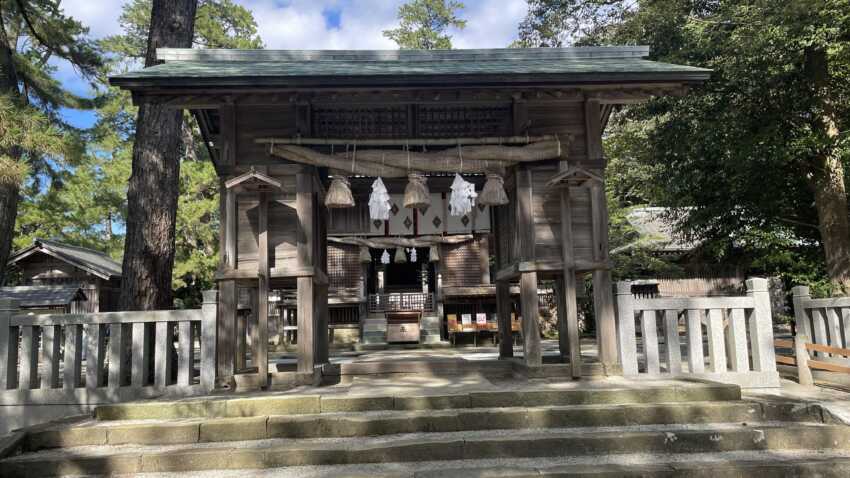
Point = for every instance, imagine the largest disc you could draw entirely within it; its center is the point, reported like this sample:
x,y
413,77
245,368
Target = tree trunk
x,y
8,192
828,176
8,213
154,180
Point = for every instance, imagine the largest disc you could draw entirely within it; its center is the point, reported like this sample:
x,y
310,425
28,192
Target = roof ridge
x,y
74,246
255,55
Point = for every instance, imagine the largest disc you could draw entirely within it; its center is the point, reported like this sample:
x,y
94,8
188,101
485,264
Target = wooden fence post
x,y
804,373
208,336
626,328
8,345
800,294
761,326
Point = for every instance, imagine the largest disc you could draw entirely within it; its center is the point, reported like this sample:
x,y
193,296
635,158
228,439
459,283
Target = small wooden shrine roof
x,y
294,68
89,260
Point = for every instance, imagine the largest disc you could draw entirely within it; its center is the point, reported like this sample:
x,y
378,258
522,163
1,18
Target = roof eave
x,y
141,82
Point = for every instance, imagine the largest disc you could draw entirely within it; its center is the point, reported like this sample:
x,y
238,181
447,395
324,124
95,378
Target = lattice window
x,y
360,122
439,121
343,266
394,121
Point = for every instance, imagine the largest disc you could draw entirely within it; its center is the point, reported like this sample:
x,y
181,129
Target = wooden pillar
x,y
261,344
503,309
320,287
531,348
227,298
569,336
528,280
306,295
603,300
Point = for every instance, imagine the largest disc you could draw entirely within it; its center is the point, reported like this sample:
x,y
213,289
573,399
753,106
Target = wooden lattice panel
x,y
441,121
343,266
360,122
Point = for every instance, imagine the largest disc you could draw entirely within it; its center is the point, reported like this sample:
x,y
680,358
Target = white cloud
x,y
101,16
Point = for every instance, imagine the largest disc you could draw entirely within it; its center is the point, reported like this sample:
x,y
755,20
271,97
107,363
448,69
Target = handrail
x,y
133,317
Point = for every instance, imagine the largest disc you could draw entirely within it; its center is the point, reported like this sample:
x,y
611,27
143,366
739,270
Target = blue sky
x,y
313,24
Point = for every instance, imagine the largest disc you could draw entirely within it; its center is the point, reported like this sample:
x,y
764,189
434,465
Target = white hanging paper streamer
x,y
463,196
379,201
385,257
413,257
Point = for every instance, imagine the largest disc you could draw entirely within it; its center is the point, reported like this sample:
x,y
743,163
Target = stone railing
x,y
108,356
738,332
822,321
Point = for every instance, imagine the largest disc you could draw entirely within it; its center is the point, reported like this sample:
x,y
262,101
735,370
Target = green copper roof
x,y
187,67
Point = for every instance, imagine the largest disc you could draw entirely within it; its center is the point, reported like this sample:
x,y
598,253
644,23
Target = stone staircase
x,y
596,428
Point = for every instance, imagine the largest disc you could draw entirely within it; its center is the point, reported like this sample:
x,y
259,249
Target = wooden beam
x,y
525,214
468,141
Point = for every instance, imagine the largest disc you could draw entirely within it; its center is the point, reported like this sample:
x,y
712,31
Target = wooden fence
x,y
801,346
727,339
108,356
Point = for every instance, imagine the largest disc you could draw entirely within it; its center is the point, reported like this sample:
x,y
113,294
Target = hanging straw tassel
x,y
339,194
365,256
493,193
434,254
400,258
416,194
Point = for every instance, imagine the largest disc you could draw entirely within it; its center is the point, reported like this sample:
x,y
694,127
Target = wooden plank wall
x,y
547,218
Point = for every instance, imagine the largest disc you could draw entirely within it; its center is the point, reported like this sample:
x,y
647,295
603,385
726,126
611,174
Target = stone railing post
x,y
761,326
800,295
8,345
626,338
208,339
804,373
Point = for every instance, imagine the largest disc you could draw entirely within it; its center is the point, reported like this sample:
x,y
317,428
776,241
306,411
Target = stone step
x,y
437,447
339,425
576,393
778,463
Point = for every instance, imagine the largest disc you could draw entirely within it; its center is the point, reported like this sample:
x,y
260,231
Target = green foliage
x,y
423,24
218,24
734,157
84,202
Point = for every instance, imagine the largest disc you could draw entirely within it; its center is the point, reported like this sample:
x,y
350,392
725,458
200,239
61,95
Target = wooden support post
x,y
532,353
568,328
261,344
305,249
603,301
226,340
503,308
321,313
226,313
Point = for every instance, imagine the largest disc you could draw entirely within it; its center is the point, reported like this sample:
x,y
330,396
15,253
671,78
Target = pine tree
x,y
32,32
423,24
